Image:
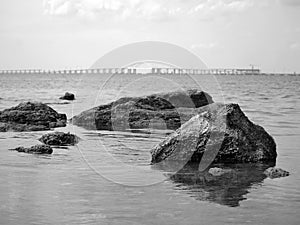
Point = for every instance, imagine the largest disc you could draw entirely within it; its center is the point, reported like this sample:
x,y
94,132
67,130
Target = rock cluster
x,y
205,132
51,139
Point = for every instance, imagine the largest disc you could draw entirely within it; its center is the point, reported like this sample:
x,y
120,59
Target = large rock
x,y
222,134
31,116
59,139
160,111
37,149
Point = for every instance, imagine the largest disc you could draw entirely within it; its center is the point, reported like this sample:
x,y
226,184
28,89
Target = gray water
x,y
107,178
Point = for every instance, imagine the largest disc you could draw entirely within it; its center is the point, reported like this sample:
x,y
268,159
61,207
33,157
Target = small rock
x,y
276,173
59,139
218,171
37,149
68,96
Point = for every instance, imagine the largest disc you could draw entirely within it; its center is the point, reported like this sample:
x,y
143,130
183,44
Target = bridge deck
x,y
176,71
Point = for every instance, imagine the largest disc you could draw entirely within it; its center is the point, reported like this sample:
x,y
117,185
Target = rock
x,y
37,149
222,134
68,96
160,111
276,173
215,171
31,116
59,139
190,99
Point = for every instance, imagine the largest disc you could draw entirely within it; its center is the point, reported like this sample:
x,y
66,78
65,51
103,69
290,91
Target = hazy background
x,y
62,34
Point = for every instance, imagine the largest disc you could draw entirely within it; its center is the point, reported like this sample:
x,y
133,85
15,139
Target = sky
x,y
72,34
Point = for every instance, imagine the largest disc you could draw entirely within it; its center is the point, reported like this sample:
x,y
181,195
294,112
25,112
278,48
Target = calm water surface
x,y
107,178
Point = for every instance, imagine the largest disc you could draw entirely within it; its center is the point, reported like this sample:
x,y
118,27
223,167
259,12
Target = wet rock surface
x,y
222,134
160,111
276,173
59,139
37,149
68,96
215,171
31,116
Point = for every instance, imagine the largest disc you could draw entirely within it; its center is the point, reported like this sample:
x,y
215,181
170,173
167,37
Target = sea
x,y
108,179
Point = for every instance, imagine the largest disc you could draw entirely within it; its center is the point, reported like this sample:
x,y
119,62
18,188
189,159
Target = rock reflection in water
x,y
227,189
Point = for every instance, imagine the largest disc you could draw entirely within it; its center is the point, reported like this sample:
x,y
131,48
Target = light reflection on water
x,y
62,188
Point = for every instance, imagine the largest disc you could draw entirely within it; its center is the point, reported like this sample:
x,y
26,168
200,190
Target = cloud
x,y
58,7
204,46
94,8
145,9
295,46
224,5
292,3
211,9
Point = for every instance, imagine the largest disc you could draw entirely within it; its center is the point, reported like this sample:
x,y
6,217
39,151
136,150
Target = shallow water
x,y
107,178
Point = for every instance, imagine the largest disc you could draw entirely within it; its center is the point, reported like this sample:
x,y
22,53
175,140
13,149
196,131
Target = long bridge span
x,y
167,71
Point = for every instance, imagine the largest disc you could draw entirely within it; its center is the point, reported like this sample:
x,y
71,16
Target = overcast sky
x,y
57,34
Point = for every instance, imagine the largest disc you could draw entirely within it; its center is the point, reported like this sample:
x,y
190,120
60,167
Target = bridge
x,y
158,71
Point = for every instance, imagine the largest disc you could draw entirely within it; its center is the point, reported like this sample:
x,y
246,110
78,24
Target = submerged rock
x,y
228,189
31,116
37,149
59,139
222,134
68,96
160,111
276,173
215,171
